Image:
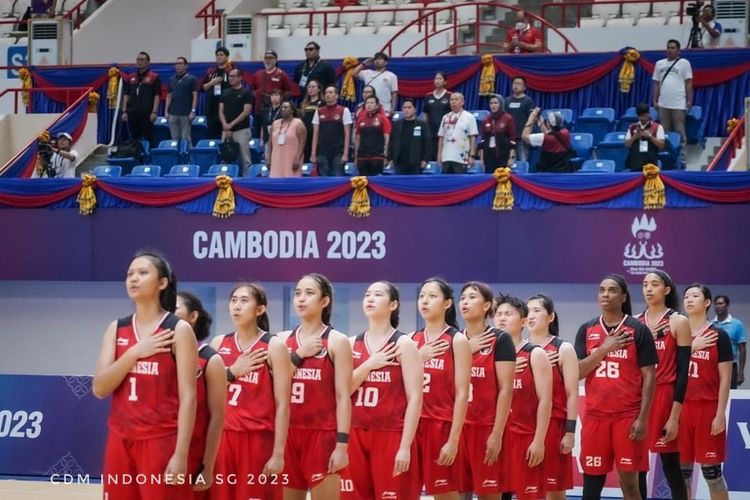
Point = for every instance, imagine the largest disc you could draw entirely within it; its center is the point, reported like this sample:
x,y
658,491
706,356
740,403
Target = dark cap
x,y
381,55
223,50
270,52
642,108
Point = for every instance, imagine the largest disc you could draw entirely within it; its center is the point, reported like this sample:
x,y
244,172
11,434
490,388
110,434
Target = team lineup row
x,y
387,415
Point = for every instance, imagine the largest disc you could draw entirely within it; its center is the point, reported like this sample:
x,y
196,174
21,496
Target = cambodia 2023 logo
x,y
643,254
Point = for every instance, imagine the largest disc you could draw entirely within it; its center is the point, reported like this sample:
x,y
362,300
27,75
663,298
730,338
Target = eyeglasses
x,y
233,76
309,49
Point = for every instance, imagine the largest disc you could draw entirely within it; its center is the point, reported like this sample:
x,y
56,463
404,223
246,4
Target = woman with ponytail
x,y
386,400
446,355
544,330
320,410
257,404
148,364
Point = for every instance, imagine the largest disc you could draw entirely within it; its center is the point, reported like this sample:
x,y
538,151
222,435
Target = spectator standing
x,y
410,145
141,101
367,91
436,105
458,132
309,107
673,90
498,136
216,82
182,100
519,105
314,68
710,30
287,143
43,8
331,134
371,142
553,141
265,80
384,82
62,163
736,331
235,107
645,138
270,115
523,38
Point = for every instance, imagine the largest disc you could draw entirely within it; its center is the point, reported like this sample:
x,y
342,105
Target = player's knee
x,y
687,472
714,478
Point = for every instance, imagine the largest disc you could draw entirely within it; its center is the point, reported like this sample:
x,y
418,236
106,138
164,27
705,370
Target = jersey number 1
x,y
132,396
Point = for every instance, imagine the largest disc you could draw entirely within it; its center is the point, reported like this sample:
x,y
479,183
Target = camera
x,y
46,150
693,9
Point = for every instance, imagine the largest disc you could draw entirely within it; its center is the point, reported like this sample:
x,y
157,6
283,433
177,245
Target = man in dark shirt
x,y
141,101
410,146
234,109
519,105
314,68
181,101
216,81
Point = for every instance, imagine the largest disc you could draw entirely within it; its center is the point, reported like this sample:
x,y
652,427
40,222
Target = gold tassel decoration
x,y
224,204
348,89
487,78
86,196
43,137
114,79
653,189
504,191
627,72
26,83
731,124
360,205
93,101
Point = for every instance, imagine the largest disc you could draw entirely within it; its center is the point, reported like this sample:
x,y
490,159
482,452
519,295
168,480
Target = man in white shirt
x,y
62,163
384,82
673,90
458,132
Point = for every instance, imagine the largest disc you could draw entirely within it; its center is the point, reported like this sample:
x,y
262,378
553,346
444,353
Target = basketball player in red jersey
x,y
211,393
531,407
703,420
447,372
671,332
320,410
544,331
386,401
492,370
616,355
148,363
251,456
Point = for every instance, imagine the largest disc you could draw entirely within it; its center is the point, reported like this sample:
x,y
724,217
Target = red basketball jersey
x,y
313,403
613,389
250,402
202,415
380,402
484,389
439,388
522,418
703,373
145,405
666,348
559,395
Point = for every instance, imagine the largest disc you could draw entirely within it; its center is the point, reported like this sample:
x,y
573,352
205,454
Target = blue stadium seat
x,y
475,168
520,167
583,144
161,130
307,169
222,169
567,115
597,122
351,169
167,154
199,129
256,169
612,147
671,155
124,164
694,126
257,151
145,171
479,116
264,170
205,153
388,169
533,157
432,168
107,171
183,171
603,166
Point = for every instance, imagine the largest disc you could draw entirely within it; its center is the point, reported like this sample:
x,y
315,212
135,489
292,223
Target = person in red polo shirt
x,y
265,80
523,38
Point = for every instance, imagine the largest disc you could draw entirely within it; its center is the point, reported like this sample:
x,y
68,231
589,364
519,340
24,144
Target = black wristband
x,y
570,426
342,437
296,359
230,375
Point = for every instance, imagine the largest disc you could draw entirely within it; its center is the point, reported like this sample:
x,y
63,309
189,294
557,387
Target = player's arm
x,y
587,363
282,382
724,348
341,354
216,395
462,379
412,371
186,356
216,342
680,328
542,370
569,366
505,368
647,360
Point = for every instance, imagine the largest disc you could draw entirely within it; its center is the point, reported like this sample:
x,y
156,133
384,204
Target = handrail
x,y
75,14
578,4
734,140
84,95
17,91
210,17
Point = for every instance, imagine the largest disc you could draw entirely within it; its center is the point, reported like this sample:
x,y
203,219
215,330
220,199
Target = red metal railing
x,y
72,94
76,14
211,17
577,5
729,148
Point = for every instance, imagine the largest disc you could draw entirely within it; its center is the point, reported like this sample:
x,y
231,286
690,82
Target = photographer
x,y
553,142
645,138
710,30
56,160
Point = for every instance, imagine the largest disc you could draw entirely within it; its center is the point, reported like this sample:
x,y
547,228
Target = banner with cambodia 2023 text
x,y
404,244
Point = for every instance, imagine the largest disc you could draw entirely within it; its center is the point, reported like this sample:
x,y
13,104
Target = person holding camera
x,y
555,150
57,160
645,138
710,30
